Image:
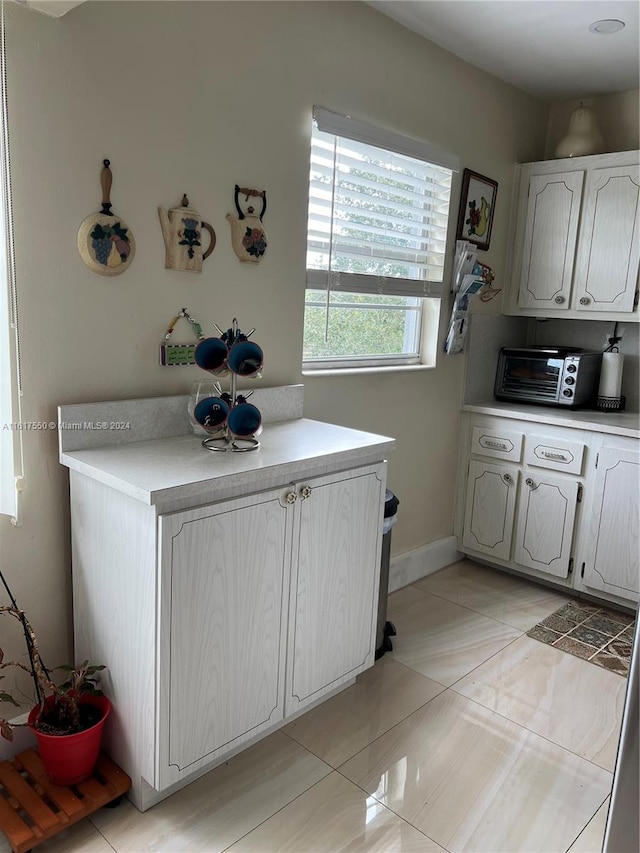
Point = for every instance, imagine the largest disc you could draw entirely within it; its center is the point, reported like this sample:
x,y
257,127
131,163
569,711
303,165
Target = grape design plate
x,y
105,242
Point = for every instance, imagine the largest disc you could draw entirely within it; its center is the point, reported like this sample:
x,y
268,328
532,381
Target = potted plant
x,y
68,718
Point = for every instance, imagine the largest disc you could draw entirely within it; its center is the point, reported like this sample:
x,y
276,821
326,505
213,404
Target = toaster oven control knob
x,y
559,300
569,380
571,368
568,392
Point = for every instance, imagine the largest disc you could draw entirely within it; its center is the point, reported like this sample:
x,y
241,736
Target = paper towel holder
x,y
617,402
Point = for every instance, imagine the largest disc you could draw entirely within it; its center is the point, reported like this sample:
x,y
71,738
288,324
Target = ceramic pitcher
x,y
182,232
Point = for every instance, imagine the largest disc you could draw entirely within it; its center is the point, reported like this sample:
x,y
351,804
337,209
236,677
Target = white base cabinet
x,y
223,620
334,584
223,599
611,559
564,507
490,508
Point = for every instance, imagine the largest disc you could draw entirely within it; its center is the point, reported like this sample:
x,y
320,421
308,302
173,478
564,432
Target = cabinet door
x,y
224,577
613,547
490,507
550,240
609,249
544,527
334,583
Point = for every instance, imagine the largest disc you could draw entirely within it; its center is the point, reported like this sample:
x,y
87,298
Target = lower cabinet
x,y
527,513
612,549
544,528
267,603
224,575
334,585
490,508
563,505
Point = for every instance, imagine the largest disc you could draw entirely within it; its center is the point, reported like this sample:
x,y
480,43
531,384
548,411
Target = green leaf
x,y
5,730
6,697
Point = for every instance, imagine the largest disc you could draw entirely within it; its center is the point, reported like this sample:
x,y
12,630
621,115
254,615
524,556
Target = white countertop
x,y
166,469
613,423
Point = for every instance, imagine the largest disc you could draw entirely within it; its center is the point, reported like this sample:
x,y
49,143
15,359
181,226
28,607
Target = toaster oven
x,y
554,376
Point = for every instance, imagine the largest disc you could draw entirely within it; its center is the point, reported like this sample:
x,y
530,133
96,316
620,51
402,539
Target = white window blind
x,y
10,436
378,210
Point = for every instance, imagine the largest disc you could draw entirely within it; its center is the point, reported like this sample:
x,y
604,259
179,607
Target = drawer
x,y
498,443
542,451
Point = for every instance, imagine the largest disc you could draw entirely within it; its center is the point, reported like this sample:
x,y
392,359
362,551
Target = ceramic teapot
x,y
182,232
248,237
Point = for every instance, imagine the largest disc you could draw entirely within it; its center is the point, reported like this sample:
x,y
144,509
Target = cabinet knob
x,y
292,498
305,492
584,300
559,300
530,483
507,478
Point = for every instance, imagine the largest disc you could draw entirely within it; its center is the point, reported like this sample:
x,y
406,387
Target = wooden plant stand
x,y
33,809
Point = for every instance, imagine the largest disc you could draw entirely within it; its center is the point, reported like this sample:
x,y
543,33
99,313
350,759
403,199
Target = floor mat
x,y
597,634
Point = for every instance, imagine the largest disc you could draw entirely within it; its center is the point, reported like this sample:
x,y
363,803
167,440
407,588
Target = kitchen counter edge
x,y
625,424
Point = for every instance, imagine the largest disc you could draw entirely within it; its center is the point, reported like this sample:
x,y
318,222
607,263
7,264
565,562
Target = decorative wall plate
x,y
105,242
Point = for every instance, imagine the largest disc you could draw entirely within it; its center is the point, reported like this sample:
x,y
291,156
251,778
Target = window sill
x,y
360,371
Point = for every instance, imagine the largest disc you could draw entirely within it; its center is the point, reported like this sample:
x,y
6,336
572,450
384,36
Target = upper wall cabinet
x,y
576,243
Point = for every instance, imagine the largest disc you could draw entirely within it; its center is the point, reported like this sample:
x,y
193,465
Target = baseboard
x,y
407,568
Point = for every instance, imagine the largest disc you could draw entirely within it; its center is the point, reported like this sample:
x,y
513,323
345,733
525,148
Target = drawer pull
x,y
499,445
292,498
305,492
559,300
507,478
560,456
530,483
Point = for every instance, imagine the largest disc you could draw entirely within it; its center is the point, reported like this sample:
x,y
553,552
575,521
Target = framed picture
x,y
477,203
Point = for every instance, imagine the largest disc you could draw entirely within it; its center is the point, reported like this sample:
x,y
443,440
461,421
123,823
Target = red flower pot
x,y
70,759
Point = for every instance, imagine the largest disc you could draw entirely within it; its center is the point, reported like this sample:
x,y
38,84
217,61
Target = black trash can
x,y
386,629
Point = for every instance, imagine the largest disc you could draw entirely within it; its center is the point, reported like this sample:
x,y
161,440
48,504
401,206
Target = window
x,y
376,241
10,437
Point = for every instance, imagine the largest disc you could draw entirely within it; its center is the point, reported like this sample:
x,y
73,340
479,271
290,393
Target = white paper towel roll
x,y
611,374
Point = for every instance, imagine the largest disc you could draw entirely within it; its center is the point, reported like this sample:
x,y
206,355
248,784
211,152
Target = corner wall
x,y
194,97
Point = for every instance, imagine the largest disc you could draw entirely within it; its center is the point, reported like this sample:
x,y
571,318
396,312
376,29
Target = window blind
x,y
378,216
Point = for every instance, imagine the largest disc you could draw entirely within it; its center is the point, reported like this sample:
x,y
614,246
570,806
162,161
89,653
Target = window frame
x,y
361,283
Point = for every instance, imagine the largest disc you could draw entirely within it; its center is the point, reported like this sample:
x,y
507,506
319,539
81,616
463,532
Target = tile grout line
x,y
385,806
464,606
97,829
537,734
479,612
587,823
286,805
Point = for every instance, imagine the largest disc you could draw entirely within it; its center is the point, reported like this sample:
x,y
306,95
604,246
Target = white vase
x,y
583,136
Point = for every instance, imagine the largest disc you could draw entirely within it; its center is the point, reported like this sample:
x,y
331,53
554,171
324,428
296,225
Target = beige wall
x,y
194,97
618,116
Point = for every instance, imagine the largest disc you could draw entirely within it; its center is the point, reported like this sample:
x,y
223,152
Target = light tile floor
x,y
470,736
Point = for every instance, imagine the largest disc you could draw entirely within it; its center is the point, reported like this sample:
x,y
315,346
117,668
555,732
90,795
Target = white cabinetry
x,y
516,513
219,619
611,558
334,583
490,508
565,507
240,577
224,578
576,248
546,514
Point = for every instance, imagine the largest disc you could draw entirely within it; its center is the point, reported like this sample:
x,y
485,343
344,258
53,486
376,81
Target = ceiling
x,y
543,47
